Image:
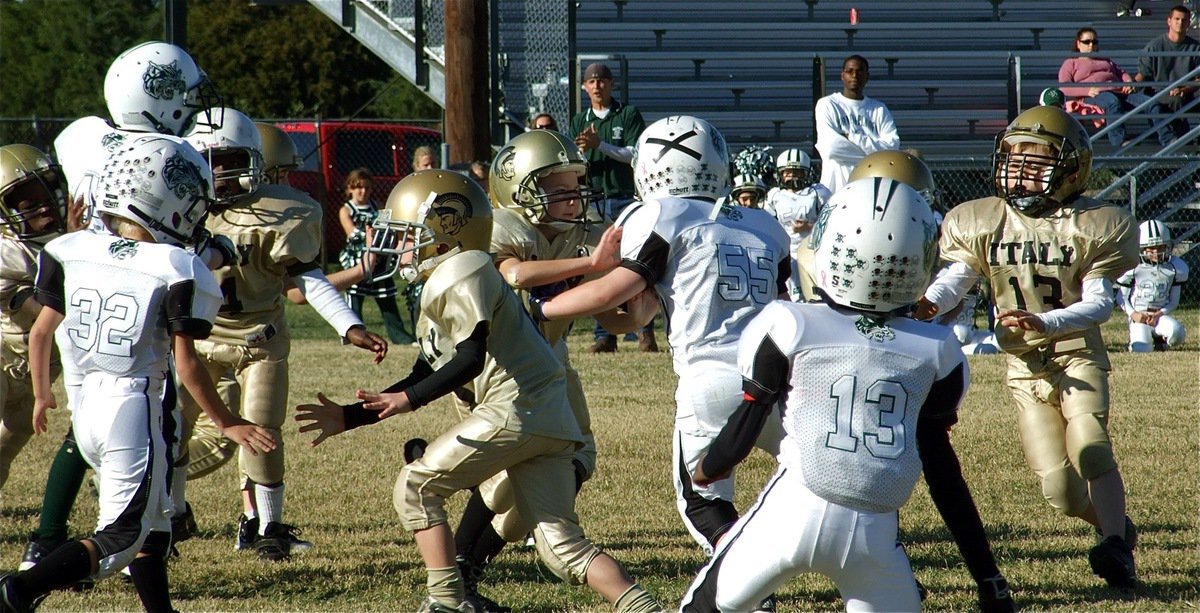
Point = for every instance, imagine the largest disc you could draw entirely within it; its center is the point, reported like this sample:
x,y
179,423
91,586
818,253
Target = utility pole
x,y
468,118
175,22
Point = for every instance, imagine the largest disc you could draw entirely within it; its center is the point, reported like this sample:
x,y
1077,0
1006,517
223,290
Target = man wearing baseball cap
x,y
607,132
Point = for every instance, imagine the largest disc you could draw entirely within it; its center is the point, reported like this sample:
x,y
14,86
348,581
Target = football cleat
x,y
995,596
278,541
432,606
183,525
472,574
1131,534
769,604
414,449
247,533
11,602
36,550
1112,560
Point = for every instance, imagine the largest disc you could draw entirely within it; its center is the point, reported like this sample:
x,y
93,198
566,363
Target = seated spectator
x,y
543,121
1111,100
1172,68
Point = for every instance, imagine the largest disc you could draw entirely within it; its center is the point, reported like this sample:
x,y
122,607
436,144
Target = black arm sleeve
x,y
651,260
943,475
179,311
785,273
50,283
355,415
466,364
760,392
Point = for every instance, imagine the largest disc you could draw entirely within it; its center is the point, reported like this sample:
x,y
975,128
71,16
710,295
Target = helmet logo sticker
x,y
111,141
874,329
183,177
452,212
163,81
123,249
506,168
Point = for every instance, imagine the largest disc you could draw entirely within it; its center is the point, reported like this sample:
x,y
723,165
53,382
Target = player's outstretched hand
x,y
40,406
365,339
925,310
326,418
254,438
607,254
387,404
1016,318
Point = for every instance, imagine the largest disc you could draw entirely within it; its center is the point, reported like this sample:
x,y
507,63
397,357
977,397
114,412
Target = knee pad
x,y
265,467
1089,447
1170,329
568,558
1066,491
712,518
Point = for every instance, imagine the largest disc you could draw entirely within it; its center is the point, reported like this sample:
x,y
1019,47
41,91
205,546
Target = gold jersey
x,y
18,269
277,232
514,236
522,386
1039,264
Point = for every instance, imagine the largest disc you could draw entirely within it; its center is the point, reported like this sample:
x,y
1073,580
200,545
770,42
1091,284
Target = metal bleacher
x,y
942,66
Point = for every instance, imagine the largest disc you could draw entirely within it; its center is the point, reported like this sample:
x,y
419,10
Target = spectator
x,y
1052,96
1088,69
543,121
1172,68
851,126
424,158
479,172
607,131
356,215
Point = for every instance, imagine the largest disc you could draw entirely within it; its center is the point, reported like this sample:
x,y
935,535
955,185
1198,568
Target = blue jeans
x,y
1114,106
610,209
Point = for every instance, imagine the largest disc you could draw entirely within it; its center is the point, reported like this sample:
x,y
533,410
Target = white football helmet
x,y
160,183
1154,241
156,87
233,151
681,156
799,167
876,244
751,185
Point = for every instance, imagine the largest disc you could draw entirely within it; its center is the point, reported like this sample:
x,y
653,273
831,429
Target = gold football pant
x,y
1062,413
16,418
261,375
538,470
208,449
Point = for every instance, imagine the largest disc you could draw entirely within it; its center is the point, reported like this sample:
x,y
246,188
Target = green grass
x,y
340,494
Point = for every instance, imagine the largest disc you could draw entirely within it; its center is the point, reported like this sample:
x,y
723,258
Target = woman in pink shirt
x,y
1090,70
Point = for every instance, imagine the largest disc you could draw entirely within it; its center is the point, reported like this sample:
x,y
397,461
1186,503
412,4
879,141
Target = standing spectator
x,y
850,125
1173,68
543,121
424,158
606,132
1150,292
356,215
1048,315
1110,99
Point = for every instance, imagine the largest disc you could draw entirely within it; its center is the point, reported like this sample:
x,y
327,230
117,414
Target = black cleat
x,y
768,605
472,574
37,549
1113,561
995,596
278,541
11,602
414,449
247,533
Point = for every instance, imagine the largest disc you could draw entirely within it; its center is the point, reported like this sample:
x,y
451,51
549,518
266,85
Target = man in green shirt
x,y
607,132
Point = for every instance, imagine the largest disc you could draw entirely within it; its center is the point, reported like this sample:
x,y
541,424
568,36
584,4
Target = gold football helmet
x,y
278,152
1042,160
430,215
529,157
33,195
899,166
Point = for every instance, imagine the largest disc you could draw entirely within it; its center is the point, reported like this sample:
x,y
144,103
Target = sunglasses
x,y
544,126
1088,41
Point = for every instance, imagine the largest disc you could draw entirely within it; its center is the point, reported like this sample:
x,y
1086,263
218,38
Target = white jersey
x,y
849,130
857,386
789,207
713,268
123,299
1151,286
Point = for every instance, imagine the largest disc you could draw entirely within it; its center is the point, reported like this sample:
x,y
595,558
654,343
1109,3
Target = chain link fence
x,y
330,151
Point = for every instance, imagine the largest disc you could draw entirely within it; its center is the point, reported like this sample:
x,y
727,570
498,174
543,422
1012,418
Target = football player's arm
x,y
943,474
947,290
1095,306
525,274
633,315
596,296
340,280
423,387
328,302
1181,275
41,346
194,377
760,393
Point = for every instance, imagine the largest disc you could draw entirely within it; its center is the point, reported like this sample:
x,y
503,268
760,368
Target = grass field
x,y
340,494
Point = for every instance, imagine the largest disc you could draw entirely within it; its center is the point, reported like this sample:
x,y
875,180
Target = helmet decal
x,y
505,167
163,81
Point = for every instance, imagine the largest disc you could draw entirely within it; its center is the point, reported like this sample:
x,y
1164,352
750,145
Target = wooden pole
x,y
468,118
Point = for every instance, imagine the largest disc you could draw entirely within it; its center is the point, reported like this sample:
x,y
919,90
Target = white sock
x,y
270,505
